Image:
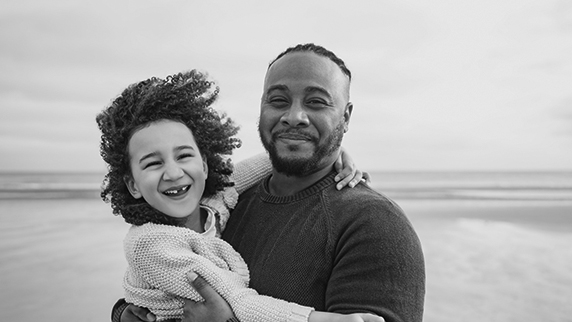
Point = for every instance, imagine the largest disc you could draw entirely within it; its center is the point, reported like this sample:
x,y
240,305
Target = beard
x,y
301,166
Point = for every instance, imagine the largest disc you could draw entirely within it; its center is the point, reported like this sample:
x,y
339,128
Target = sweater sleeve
x,y
250,171
390,278
164,259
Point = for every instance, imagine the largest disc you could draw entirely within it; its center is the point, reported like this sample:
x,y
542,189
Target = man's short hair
x,y
318,50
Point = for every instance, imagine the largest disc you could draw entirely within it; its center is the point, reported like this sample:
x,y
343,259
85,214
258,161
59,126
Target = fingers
x,y
351,179
202,287
347,174
213,308
345,180
371,318
367,177
339,164
136,314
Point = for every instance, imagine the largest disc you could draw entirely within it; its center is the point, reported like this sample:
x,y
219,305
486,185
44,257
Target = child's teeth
x,y
174,192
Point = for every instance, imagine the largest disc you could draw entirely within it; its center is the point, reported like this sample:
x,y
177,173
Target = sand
x,y
495,261
61,260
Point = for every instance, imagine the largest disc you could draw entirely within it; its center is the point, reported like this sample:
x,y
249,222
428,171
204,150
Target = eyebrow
x,y
307,90
147,156
312,89
184,147
276,88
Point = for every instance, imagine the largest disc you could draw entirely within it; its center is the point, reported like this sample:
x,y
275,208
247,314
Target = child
x,y
164,146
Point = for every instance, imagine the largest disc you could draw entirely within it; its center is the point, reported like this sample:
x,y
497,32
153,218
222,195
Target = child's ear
x,y
132,187
205,168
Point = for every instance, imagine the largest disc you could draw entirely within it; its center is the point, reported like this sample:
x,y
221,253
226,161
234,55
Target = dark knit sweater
x,y
342,251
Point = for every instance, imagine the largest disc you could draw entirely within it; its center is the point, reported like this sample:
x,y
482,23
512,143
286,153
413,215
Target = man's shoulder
x,y
362,205
250,192
362,196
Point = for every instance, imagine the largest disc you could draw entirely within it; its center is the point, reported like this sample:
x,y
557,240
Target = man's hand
x,y
134,313
214,308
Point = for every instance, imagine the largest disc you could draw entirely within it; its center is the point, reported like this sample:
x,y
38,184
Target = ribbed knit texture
x,y
250,171
339,251
159,258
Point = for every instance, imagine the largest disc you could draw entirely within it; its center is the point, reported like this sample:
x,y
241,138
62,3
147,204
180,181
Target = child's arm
x,y
164,257
348,173
250,171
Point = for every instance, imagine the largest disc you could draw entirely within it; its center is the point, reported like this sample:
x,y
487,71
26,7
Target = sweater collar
x,y
323,183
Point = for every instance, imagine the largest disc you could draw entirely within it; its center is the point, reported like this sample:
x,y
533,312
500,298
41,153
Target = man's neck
x,y
283,185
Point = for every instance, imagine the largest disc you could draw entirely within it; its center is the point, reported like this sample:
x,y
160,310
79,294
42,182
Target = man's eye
x,y
278,101
316,102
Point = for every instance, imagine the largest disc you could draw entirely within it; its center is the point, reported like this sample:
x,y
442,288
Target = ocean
x,y
523,186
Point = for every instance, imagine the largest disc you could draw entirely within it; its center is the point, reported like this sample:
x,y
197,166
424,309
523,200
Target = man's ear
x,y
132,187
347,116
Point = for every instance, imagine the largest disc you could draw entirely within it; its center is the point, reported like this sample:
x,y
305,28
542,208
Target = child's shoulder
x,y
156,233
221,203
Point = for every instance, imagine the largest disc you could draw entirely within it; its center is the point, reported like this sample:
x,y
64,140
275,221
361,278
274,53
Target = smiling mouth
x,y
294,137
176,191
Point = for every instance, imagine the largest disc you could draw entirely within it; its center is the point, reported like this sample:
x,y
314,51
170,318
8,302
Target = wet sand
x,y
61,260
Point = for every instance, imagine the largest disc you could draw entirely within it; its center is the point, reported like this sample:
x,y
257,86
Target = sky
x,y
437,85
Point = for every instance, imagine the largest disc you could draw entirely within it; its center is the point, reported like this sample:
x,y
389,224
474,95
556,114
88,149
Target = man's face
x,y
304,113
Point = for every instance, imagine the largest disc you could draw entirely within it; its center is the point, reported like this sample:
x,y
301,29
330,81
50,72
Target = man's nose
x,y
295,115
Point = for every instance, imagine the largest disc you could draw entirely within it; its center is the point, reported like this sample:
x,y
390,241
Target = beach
x,y
495,261
486,260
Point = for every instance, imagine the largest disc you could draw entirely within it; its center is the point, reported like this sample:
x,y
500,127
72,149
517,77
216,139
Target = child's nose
x,y
172,172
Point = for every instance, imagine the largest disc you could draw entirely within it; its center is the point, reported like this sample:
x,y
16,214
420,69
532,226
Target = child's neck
x,y
196,221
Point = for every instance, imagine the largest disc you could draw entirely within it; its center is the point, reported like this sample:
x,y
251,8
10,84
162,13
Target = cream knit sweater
x,y
160,256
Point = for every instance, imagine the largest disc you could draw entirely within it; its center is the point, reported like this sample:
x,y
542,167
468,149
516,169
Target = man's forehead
x,y
304,66
302,61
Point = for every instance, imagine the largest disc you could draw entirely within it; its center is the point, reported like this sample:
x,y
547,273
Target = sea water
x,y
549,186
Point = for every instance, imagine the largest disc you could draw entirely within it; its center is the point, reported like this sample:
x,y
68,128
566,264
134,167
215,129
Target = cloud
x,y
436,84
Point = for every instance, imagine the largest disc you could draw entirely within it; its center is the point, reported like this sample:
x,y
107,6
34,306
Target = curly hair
x,y
184,97
318,50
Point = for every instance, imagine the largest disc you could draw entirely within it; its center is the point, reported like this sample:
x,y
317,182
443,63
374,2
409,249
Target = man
x,y
344,251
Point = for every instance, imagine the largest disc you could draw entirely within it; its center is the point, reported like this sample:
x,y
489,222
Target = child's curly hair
x,y
185,97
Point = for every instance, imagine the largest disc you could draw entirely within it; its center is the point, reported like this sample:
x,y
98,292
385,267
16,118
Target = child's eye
x,y
185,155
152,164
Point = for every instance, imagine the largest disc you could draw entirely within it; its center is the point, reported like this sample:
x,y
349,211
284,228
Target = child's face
x,y
168,170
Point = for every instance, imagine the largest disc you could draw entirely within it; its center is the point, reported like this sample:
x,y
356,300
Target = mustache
x,y
293,134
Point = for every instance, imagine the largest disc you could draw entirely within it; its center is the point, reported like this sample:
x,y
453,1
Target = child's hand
x,y
318,316
348,174
361,317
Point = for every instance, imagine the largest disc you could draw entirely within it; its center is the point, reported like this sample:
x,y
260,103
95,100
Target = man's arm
x,y
379,265
215,309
